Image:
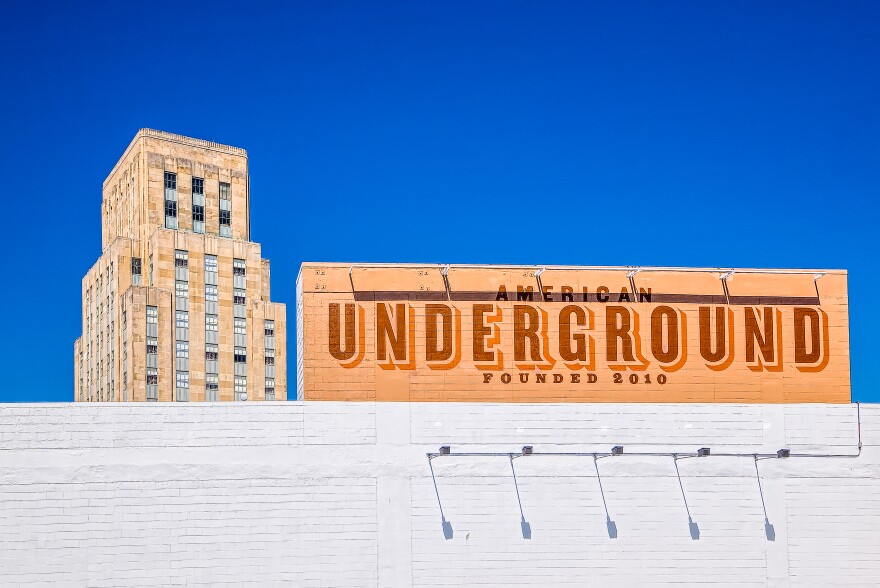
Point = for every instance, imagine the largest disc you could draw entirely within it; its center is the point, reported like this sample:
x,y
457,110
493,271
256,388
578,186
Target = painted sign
x,y
568,334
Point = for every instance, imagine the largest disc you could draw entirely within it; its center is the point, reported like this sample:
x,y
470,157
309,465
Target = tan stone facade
x,y
177,307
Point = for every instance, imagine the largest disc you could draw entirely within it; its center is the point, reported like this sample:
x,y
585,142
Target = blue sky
x,y
667,133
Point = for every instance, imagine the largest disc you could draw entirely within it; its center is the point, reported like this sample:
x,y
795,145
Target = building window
x,y
170,200
211,322
170,210
211,352
152,349
151,269
240,326
181,258
238,295
270,357
182,321
269,328
240,355
198,205
182,388
211,266
135,271
238,267
212,385
240,383
181,288
225,210
211,293
183,349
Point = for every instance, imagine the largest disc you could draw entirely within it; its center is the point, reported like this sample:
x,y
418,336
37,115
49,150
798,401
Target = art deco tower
x,y
177,307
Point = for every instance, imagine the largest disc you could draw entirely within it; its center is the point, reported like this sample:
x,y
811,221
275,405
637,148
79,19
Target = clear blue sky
x,y
661,133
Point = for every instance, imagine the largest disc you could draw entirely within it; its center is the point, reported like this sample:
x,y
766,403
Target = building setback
x,y
178,308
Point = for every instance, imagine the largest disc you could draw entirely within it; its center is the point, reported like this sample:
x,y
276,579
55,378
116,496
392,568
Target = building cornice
x,y
175,138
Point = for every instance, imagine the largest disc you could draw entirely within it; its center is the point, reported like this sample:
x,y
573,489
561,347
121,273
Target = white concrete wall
x,y
340,494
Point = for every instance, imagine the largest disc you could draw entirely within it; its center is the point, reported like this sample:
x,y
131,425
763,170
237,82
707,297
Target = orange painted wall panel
x,y
572,334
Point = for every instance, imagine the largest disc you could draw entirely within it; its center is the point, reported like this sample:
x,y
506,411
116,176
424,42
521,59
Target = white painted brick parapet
x,y
341,494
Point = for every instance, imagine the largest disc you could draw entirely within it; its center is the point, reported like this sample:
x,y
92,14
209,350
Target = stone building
x,y
177,306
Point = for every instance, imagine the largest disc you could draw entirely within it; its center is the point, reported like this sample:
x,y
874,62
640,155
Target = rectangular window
x,y
238,295
181,258
270,357
240,387
211,322
170,210
136,266
152,345
269,328
210,263
182,391
181,288
240,326
211,352
183,349
212,385
151,269
225,210
198,205
152,384
211,293
240,355
170,200
238,267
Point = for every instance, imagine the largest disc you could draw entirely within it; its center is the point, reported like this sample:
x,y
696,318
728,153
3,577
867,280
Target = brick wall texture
x,y
341,494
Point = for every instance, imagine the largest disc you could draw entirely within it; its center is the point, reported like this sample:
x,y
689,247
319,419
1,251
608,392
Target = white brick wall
x,y
340,494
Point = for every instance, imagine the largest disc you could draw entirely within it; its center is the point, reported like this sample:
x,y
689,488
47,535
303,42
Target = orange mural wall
x,y
571,334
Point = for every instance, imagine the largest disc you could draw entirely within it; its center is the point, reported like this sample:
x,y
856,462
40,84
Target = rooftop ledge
x,y
175,138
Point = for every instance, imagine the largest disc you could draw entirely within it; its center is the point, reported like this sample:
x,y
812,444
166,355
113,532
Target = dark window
x,y
152,379
240,356
180,261
198,213
212,386
238,271
238,299
225,217
135,266
270,360
210,355
170,181
270,331
152,348
171,208
198,186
